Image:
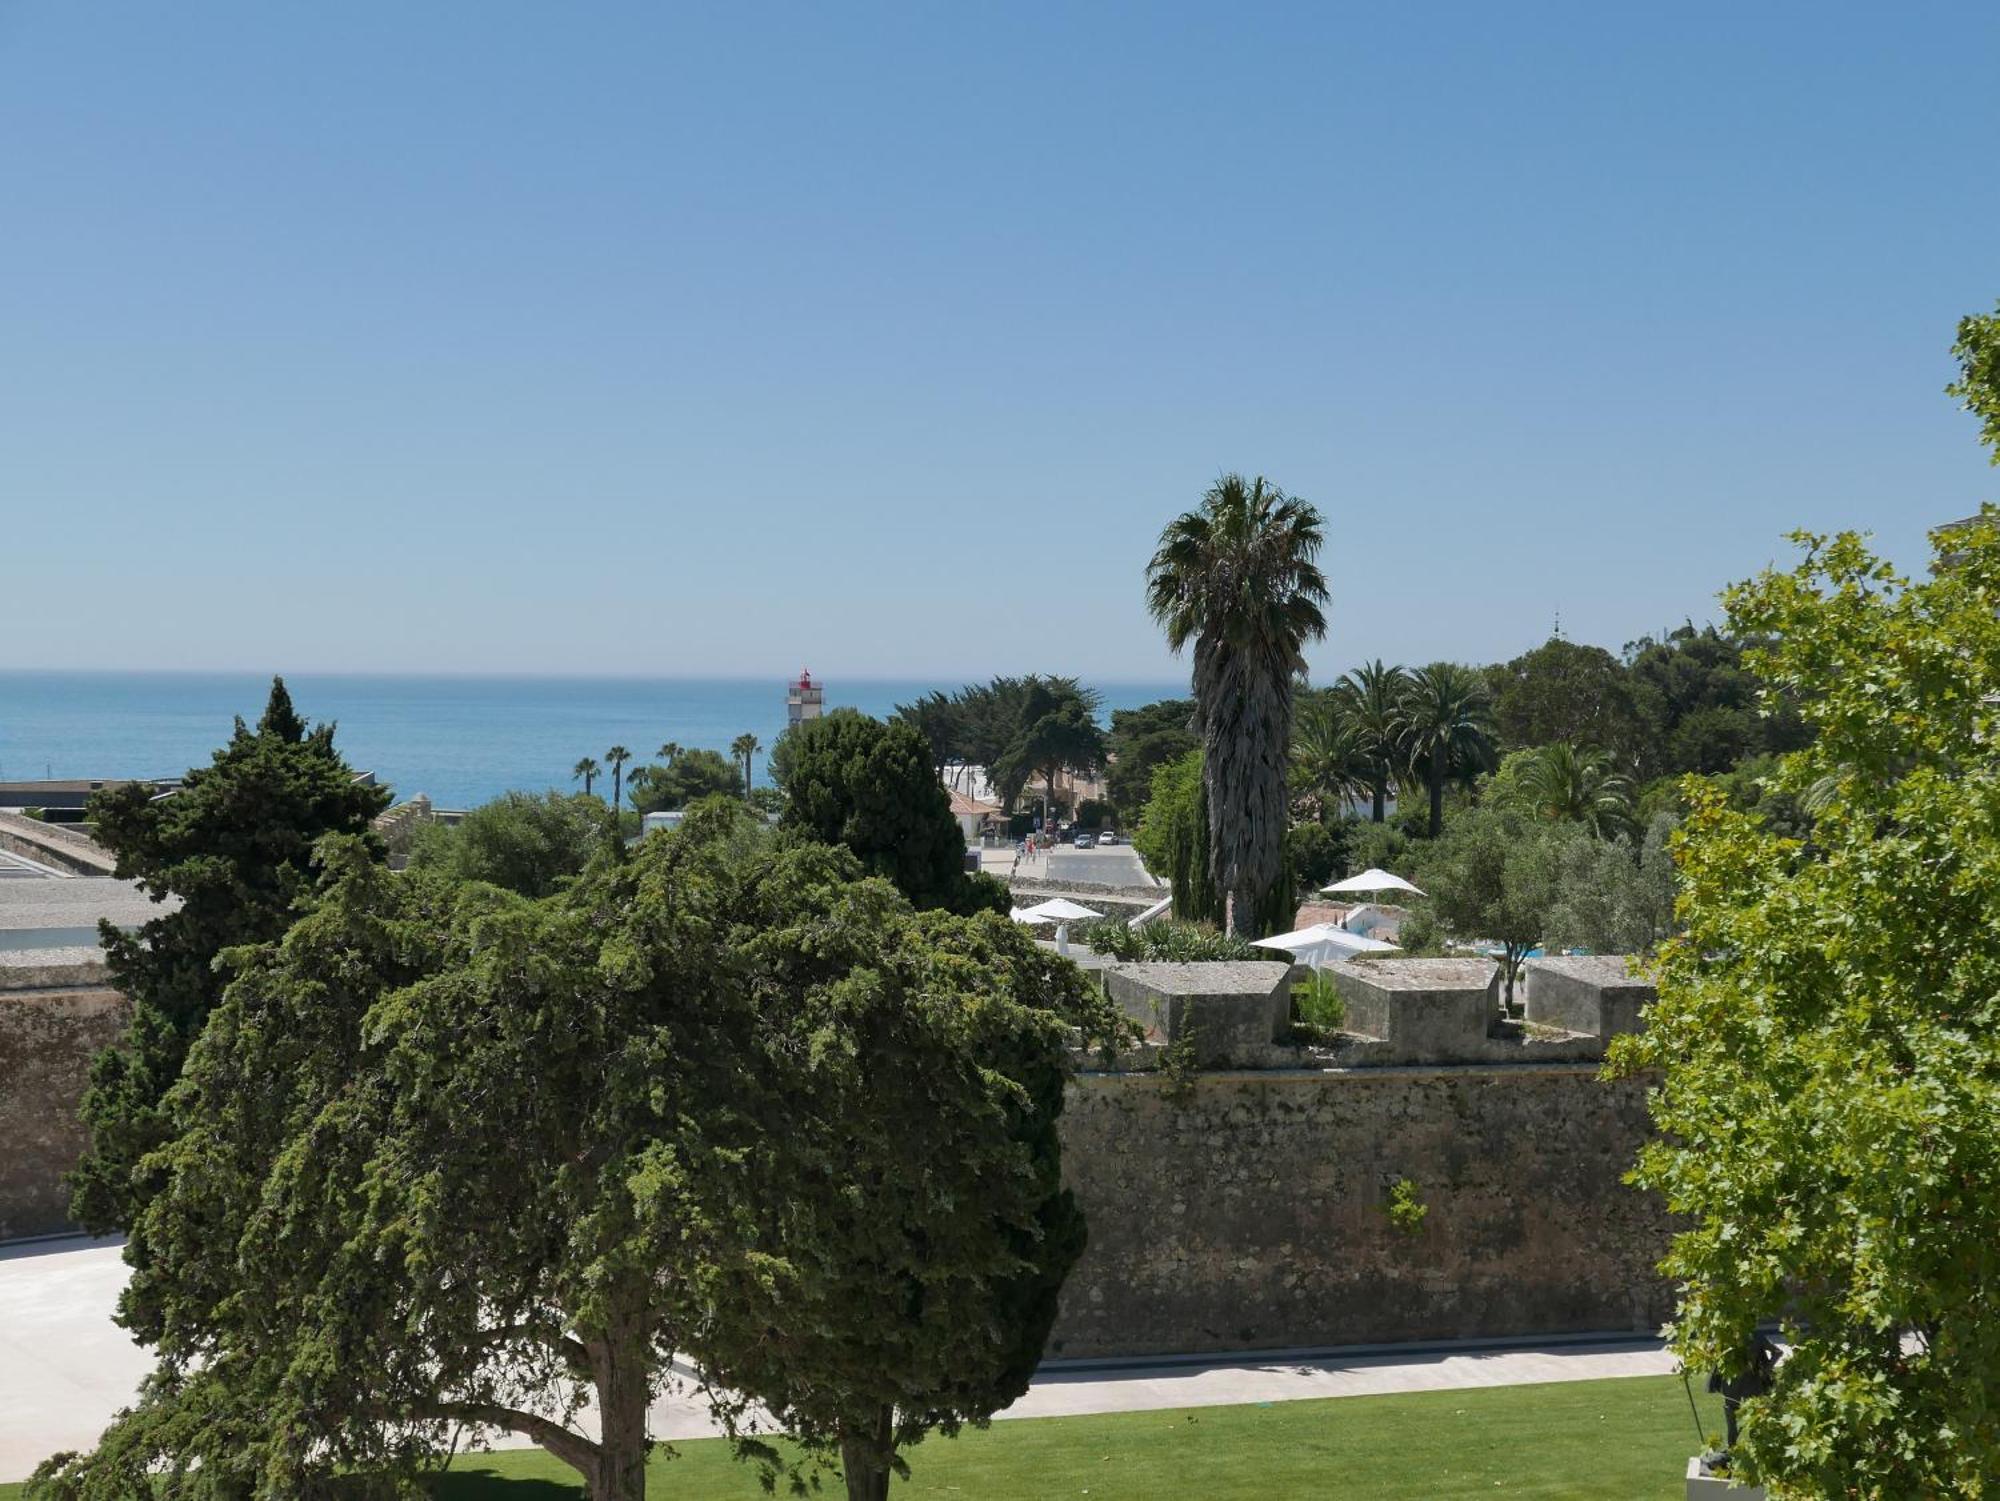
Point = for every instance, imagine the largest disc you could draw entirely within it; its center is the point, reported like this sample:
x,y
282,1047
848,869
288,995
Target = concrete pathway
x,y
65,1368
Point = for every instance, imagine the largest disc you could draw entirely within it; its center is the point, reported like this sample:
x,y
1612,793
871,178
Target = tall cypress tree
x,y
234,845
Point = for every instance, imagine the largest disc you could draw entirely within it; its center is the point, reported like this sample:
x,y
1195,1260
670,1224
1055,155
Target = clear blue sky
x,y
664,339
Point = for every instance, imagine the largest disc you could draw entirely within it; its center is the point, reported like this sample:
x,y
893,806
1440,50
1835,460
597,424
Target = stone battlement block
x,y
1426,1010
1594,994
1230,1009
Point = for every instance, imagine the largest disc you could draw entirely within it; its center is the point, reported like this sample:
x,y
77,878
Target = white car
x,y
1109,836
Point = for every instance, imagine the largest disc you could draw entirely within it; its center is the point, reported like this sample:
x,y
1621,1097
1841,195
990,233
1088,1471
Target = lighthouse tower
x,y
804,699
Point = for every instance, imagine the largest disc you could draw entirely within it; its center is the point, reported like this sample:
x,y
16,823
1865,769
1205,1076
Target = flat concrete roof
x,y
63,911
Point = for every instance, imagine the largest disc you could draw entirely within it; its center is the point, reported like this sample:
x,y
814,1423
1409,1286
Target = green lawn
x,y
1625,1438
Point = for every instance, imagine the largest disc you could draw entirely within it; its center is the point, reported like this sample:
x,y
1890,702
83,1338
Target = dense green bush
x,y
1161,942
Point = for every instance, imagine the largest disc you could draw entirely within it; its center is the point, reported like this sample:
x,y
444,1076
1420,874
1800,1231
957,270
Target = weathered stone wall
x,y
1251,1213
53,1019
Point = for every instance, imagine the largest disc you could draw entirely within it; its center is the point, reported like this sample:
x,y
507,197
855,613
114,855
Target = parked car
x,y
1086,841
1109,836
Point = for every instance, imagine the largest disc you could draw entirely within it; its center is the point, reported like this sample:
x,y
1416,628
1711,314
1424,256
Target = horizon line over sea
x,y
460,738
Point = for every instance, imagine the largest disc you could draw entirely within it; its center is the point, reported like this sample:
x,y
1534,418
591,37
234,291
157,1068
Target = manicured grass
x,y
1588,1440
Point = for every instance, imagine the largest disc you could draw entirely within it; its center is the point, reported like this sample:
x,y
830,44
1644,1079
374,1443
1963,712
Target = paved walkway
x,y
65,1368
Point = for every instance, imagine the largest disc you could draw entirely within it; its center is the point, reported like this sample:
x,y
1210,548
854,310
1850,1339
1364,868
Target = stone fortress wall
x,y
1240,1206
1244,1206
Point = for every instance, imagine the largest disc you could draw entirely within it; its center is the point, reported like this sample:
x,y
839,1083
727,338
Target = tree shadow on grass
x,y
461,1484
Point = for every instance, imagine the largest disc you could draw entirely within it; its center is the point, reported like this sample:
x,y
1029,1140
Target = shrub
x,y
1161,942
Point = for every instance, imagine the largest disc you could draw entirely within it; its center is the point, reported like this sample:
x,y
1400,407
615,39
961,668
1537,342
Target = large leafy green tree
x,y
906,1308
454,1158
1495,876
941,721
1058,734
687,778
1564,692
1445,725
231,846
1701,707
1141,740
1239,579
1374,693
855,781
520,841
1829,1036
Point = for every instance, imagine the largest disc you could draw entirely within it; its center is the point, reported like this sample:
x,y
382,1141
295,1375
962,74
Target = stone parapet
x,y
1422,1010
1594,995
1226,1012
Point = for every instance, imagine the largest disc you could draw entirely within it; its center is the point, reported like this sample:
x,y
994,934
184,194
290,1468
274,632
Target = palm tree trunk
x,y
1381,790
1437,796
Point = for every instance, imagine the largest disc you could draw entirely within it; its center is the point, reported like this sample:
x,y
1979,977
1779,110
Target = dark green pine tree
x,y
234,845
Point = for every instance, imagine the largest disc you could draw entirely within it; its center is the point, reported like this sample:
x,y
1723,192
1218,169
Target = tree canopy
x,y
1140,741
854,781
522,841
447,1156
683,779
1566,692
233,845
1977,388
1829,1033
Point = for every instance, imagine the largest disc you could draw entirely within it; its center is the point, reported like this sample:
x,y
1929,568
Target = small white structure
x,y
804,699
1059,910
1323,944
1369,881
971,813
648,822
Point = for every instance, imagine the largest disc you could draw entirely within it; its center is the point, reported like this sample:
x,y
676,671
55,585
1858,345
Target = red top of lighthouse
x,y
805,678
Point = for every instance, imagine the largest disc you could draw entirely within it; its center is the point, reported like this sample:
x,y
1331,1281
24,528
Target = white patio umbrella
x,y
1062,912
1371,880
1323,944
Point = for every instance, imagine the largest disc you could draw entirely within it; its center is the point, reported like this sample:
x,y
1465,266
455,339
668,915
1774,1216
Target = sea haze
x,y
461,740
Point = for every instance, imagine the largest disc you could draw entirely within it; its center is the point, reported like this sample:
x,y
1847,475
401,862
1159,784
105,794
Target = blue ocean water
x,y
461,740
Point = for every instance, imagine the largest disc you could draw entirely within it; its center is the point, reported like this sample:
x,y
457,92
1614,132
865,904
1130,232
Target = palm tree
x,y
586,771
745,747
670,752
617,756
1331,764
1579,786
1446,723
1238,578
1374,694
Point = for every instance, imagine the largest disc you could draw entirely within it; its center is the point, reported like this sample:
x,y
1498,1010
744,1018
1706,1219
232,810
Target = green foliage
x,y
1333,765
854,781
1566,784
1406,1209
1614,896
683,781
1829,1034
1566,693
1445,729
1373,846
1315,853
1056,732
233,844
1161,942
1238,579
1095,813
1495,876
1700,704
1172,838
1318,1003
768,800
1141,740
451,1157
526,843
1373,694
1977,388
